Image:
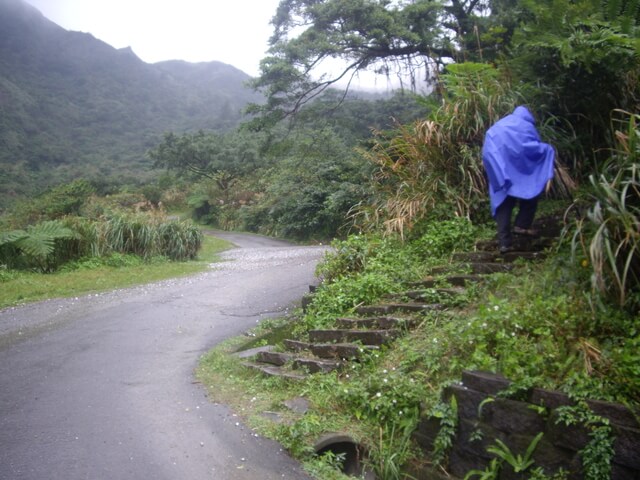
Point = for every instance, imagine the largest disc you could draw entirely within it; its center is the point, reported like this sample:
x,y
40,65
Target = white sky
x,y
235,32
230,31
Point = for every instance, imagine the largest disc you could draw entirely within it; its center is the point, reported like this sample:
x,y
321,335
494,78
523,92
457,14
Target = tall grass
x,y
610,234
434,166
437,161
47,246
147,236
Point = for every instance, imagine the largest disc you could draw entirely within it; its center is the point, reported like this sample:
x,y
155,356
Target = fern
x,y
33,247
9,238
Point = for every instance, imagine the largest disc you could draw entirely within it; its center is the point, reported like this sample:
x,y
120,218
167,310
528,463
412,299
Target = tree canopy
x,y
555,41
383,36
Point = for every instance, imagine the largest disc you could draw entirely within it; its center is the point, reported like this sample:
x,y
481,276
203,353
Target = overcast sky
x,y
235,32
230,31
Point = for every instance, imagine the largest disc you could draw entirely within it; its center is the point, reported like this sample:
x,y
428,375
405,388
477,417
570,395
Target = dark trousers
x,y
524,217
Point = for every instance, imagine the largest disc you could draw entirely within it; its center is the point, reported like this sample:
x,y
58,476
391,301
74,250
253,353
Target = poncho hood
x,y
517,163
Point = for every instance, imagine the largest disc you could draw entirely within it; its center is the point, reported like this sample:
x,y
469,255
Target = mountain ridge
x,y
73,106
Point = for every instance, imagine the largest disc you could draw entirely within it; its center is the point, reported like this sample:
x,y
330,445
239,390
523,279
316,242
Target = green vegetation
x,y
536,326
399,181
80,243
569,323
298,181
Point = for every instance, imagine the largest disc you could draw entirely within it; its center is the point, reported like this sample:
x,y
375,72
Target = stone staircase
x,y
375,326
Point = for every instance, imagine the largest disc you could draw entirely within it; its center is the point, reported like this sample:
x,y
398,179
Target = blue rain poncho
x,y
517,163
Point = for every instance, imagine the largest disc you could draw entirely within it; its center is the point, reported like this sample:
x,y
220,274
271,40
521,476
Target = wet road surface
x,y
102,386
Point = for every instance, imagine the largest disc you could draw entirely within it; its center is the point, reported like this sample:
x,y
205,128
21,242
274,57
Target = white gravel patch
x,y
256,258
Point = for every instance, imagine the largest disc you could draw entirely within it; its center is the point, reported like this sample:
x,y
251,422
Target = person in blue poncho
x,y
518,166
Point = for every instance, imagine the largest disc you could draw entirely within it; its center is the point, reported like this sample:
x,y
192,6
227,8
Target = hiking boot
x,y
504,250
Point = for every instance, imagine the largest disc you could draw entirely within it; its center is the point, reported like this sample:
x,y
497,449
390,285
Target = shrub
x,y
444,237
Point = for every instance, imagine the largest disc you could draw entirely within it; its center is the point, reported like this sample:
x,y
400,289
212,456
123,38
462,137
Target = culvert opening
x,y
351,452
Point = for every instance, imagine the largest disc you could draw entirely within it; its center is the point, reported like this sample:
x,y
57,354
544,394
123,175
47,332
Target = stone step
x,y
426,294
365,337
275,371
477,268
381,323
316,365
482,256
252,352
296,345
330,350
530,256
463,280
454,280
313,365
388,308
479,256
275,358
343,351
487,268
520,243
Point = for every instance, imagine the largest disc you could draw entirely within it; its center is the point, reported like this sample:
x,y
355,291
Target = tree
x,y
582,62
379,35
221,158
309,192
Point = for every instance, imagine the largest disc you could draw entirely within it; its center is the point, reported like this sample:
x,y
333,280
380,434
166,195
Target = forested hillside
x,y
72,106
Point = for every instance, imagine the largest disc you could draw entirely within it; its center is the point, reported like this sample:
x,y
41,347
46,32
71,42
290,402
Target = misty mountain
x,y
73,106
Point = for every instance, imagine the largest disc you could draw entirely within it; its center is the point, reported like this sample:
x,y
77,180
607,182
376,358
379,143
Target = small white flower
x,y
379,394
384,371
385,380
496,308
400,412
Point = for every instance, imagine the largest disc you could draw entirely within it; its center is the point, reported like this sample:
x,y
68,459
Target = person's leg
x,y
526,213
503,220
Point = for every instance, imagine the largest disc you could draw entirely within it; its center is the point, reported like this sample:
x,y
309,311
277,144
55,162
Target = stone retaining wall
x,y
517,423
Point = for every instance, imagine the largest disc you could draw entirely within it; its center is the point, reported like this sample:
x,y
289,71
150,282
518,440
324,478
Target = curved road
x,y
102,387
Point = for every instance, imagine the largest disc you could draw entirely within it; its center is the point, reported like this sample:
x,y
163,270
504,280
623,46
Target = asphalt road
x,y
102,386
